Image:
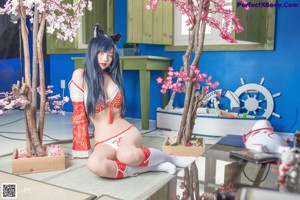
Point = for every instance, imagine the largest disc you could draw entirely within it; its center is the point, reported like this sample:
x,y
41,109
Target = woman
x,y
97,92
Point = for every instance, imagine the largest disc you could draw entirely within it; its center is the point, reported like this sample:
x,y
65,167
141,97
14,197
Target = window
x,y
103,15
161,25
102,12
181,32
258,23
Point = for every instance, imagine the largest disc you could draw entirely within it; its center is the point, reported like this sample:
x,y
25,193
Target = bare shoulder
x,y
78,73
77,76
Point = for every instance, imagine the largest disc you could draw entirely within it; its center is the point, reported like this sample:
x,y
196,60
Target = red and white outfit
x,y
115,141
154,160
81,142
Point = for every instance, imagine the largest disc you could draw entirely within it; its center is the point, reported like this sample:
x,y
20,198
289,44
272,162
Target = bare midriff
x,y
103,130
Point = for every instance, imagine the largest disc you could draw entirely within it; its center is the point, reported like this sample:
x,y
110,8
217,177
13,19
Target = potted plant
x,y
63,21
54,158
197,12
184,144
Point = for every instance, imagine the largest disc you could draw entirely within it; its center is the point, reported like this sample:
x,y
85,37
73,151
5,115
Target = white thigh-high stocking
x,y
154,156
126,171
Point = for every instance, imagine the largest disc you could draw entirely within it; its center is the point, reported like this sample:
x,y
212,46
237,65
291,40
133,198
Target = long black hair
x,y
93,74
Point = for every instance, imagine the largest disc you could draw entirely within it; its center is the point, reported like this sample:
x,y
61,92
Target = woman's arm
x,y
81,141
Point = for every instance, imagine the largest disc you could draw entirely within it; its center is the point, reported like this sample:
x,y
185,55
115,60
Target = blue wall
x,y
281,69
9,73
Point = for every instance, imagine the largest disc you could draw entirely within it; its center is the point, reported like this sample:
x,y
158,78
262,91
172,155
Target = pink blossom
x,y
208,79
183,74
53,104
66,99
187,78
169,78
206,89
170,69
215,85
163,91
193,67
183,77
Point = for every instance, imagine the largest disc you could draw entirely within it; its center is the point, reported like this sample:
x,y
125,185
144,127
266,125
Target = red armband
x,y
81,140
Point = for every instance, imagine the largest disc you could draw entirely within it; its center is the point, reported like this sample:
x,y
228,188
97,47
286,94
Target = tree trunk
x,y
24,34
190,117
192,102
195,44
34,61
194,172
182,130
191,184
186,63
187,183
32,135
42,77
30,115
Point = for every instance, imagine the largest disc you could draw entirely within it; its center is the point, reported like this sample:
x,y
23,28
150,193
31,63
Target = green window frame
x,y
102,12
144,27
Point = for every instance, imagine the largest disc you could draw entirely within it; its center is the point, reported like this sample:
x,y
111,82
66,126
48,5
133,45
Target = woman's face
x,y
105,58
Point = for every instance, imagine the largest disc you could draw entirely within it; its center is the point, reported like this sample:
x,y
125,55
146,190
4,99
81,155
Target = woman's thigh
x,y
103,151
101,160
129,151
132,137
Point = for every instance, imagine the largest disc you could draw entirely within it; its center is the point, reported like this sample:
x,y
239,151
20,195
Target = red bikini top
x,y
115,101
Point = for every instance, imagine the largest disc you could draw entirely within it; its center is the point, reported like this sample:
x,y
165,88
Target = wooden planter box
x,y
183,150
37,164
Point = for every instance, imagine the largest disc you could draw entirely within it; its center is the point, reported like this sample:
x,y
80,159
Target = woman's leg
x,y
131,153
154,156
102,162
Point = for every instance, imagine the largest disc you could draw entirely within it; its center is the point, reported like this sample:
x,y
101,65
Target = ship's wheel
x,y
256,100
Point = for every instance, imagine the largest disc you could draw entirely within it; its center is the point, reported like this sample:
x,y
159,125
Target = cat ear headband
x,y
98,32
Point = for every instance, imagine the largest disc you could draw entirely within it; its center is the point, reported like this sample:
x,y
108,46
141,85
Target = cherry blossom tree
x,y
12,101
63,21
198,13
189,77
